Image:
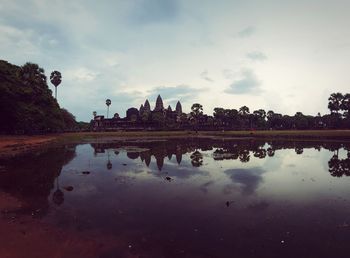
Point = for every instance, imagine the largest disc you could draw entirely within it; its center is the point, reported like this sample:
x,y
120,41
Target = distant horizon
x,y
226,54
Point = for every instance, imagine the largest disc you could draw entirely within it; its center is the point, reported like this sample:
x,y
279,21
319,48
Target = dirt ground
x,y
12,145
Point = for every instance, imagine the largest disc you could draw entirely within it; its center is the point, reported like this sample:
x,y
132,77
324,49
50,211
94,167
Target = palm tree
x,y
108,103
56,79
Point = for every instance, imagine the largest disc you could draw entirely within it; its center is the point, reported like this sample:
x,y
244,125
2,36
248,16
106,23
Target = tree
x,y
219,115
244,115
196,113
243,110
345,105
68,119
108,103
32,75
56,79
335,101
259,118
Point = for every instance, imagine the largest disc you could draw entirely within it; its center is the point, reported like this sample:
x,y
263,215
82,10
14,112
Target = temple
x,y
142,118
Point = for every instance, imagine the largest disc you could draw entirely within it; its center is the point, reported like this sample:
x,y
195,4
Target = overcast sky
x,y
283,55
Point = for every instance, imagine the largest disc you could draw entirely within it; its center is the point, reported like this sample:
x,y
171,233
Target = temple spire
x,y
142,109
146,107
159,104
178,108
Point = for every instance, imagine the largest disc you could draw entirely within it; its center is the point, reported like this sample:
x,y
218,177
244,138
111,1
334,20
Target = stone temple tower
x,y
159,104
178,108
146,107
142,109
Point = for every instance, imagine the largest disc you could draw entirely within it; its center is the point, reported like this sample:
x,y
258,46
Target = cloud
x,y
204,76
228,73
153,11
249,179
82,74
173,94
256,56
248,84
247,32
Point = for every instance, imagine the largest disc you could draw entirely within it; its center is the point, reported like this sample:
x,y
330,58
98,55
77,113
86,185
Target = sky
x,y
281,55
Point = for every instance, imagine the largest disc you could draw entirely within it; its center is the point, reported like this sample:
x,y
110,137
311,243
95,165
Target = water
x,y
191,197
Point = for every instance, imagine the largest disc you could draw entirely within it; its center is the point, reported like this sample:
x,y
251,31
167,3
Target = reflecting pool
x,y
188,197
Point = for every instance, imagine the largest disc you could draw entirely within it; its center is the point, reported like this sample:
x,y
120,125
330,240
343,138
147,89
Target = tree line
x,y
26,102
244,119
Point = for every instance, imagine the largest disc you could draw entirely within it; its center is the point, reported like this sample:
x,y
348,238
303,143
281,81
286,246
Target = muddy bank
x,y
13,145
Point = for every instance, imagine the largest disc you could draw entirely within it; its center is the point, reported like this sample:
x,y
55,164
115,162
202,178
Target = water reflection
x,y
248,178
192,197
223,150
31,178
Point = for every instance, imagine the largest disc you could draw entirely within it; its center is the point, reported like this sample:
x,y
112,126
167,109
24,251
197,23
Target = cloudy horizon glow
x,y
286,56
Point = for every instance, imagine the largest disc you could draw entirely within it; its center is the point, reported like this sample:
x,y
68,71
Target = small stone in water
x,y
86,172
68,188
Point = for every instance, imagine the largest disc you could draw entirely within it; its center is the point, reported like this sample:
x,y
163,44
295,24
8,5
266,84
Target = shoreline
x,y
12,145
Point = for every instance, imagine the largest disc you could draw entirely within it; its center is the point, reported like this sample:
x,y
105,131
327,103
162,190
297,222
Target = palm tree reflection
x,y
58,195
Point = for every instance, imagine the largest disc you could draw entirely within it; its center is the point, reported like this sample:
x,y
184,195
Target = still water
x,y
192,197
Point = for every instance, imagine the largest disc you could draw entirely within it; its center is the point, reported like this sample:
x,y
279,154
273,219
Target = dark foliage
x,y
26,102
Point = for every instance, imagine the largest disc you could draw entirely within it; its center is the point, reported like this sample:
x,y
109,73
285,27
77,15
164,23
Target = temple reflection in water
x,y
241,150
34,184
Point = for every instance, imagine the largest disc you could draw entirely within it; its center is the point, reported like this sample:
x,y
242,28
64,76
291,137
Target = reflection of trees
x,y
244,156
233,149
270,152
109,163
260,153
196,159
178,154
30,178
339,167
299,150
58,195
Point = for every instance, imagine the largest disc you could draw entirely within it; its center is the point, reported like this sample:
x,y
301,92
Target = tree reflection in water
x,y
241,150
339,167
196,159
31,177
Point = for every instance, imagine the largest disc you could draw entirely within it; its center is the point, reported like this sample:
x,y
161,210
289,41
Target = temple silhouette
x,y
142,118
